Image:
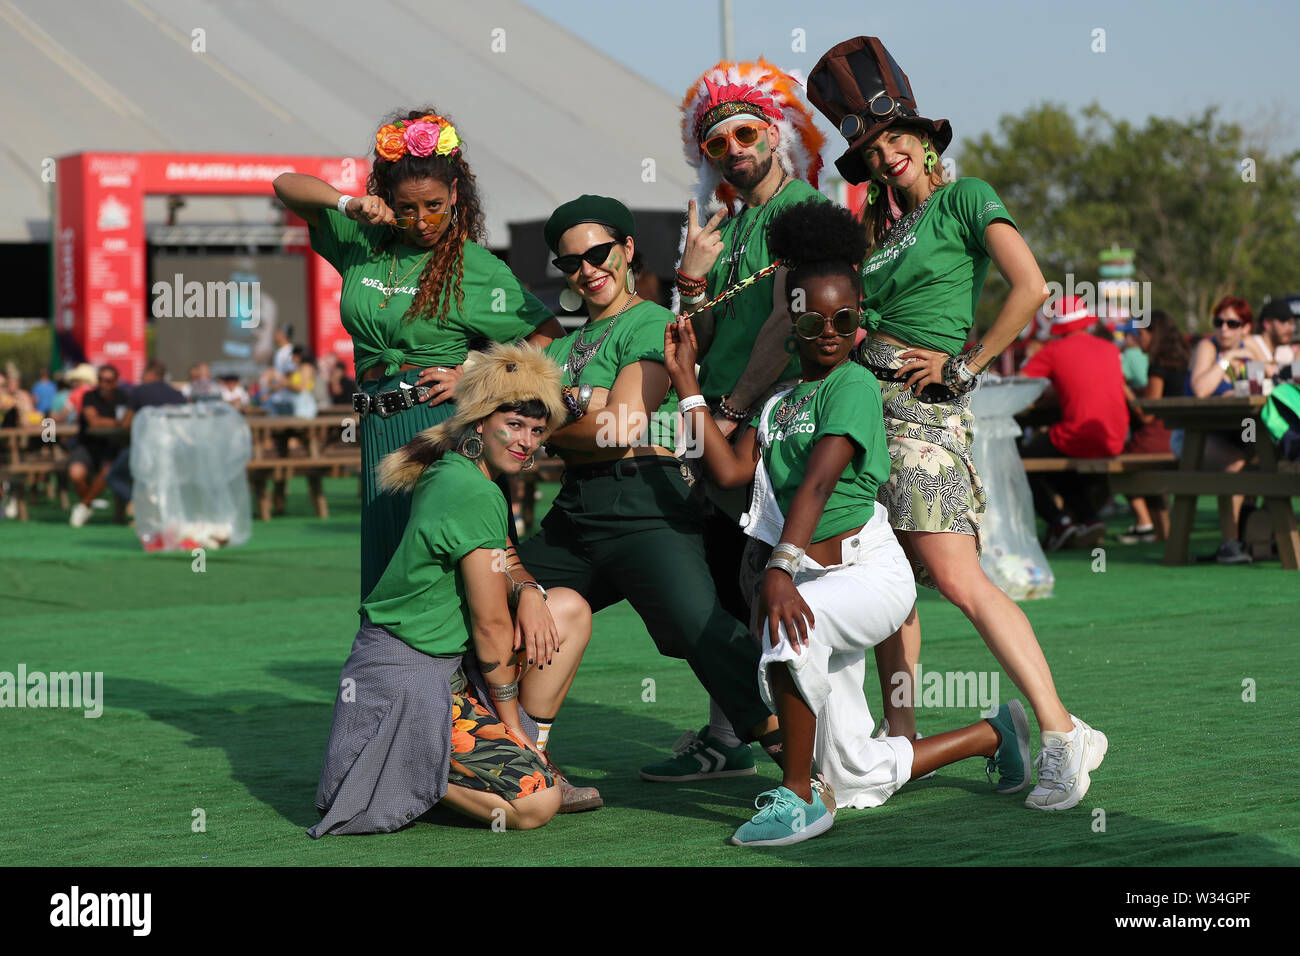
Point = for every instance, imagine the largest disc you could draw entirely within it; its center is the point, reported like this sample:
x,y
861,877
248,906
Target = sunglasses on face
x,y
1230,323
745,136
811,324
595,256
432,219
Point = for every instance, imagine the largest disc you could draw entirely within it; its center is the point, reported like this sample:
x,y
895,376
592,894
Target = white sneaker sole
x,y
1095,748
816,828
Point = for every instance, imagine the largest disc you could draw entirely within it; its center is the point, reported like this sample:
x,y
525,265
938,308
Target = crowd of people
x,y
820,369
1099,371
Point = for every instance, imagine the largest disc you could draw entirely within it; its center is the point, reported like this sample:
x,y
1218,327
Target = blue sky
x,y
973,62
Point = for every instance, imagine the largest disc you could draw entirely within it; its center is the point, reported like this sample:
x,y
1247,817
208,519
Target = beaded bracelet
x,y
571,402
736,416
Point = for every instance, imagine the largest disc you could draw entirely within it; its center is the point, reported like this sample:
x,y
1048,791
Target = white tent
x,y
544,115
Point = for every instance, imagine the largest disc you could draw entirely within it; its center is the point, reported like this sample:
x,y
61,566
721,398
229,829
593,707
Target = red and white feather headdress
x,y
753,87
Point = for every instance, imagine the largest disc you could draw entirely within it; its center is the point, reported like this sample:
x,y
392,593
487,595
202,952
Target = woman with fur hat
x,y
411,729
417,287
929,247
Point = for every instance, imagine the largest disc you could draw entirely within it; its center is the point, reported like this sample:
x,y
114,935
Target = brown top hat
x,y
860,88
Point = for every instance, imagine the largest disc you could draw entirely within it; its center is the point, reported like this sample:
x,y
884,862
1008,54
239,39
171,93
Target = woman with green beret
x,y
417,287
624,525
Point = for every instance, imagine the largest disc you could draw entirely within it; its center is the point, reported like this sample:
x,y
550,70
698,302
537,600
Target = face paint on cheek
x,y
615,261
502,435
761,148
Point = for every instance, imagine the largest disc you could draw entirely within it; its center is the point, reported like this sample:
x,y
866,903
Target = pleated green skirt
x,y
384,516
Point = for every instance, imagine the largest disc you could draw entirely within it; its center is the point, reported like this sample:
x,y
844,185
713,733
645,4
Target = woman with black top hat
x,y
417,287
929,246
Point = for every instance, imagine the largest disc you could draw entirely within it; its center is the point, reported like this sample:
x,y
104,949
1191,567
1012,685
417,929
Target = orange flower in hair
x,y
390,144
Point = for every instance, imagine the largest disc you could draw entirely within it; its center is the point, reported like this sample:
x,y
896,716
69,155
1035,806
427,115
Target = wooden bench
x,y
1125,464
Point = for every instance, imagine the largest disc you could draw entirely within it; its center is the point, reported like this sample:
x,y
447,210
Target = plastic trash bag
x,y
190,478
1011,556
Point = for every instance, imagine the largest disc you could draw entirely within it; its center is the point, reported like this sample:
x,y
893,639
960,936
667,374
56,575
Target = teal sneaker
x,y
783,819
701,757
1012,758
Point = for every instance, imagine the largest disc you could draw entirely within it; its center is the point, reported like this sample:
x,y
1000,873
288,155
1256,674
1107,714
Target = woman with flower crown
x,y
417,287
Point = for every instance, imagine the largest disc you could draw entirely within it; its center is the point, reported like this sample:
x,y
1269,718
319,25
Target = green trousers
x,y
384,516
639,536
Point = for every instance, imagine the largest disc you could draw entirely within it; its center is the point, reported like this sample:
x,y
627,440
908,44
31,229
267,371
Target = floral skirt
x,y
486,756
933,484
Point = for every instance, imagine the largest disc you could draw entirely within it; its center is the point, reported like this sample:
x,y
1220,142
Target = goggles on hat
x,y
595,256
746,135
810,325
432,219
879,107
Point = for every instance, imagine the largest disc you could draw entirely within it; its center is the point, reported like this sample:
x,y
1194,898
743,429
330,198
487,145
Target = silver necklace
x,y
583,352
786,413
905,225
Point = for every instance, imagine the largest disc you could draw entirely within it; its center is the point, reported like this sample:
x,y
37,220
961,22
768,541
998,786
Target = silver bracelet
x,y
787,550
584,394
520,585
504,691
342,204
684,405
782,564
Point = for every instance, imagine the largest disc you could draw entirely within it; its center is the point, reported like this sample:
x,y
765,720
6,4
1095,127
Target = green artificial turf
x,y
218,690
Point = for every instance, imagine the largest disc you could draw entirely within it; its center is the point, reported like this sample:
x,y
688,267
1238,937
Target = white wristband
x,y
691,401
342,204
693,299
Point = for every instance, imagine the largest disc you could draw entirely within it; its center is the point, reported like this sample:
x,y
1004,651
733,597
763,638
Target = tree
x,y
1207,208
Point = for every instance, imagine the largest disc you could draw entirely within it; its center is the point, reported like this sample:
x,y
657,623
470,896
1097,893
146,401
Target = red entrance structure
x,y
99,241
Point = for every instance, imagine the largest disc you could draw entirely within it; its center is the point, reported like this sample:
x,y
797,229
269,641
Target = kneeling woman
x,y
409,728
837,583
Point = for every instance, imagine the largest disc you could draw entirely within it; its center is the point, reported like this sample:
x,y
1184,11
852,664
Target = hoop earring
x,y
931,157
529,462
630,281
570,301
873,193
471,447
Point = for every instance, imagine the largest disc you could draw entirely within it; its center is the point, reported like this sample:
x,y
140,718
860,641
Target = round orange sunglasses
x,y
745,136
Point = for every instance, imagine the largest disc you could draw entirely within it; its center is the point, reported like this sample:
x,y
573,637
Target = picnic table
x,y
1198,417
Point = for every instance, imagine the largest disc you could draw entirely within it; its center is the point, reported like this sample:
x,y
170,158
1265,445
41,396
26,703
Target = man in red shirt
x,y
1089,385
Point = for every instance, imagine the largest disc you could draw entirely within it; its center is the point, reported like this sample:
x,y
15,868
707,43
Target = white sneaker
x,y
80,514
11,507
99,504
1064,764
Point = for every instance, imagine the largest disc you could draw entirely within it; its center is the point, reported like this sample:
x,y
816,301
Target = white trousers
x,y
856,604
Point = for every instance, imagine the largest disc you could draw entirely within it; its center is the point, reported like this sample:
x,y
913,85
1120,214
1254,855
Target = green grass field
x,y
218,689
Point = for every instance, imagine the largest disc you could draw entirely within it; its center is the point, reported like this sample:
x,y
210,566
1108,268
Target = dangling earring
x,y
873,193
570,301
931,157
471,447
528,463
630,281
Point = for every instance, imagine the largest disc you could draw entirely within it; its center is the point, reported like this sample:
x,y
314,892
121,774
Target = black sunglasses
x,y
811,324
594,256
1230,323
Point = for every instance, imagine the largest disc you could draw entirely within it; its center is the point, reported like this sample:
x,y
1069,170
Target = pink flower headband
x,y
422,137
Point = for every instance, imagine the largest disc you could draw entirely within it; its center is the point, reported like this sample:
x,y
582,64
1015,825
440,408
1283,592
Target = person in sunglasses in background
x,y
1217,361
417,287
625,524
929,247
837,581
748,132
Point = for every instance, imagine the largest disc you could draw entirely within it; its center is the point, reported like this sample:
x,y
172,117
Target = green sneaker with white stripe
x,y
697,756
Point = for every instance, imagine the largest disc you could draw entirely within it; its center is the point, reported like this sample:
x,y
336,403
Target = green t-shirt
x,y
1135,365
496,306
846,403
637,334
923,290
421,598
736,323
